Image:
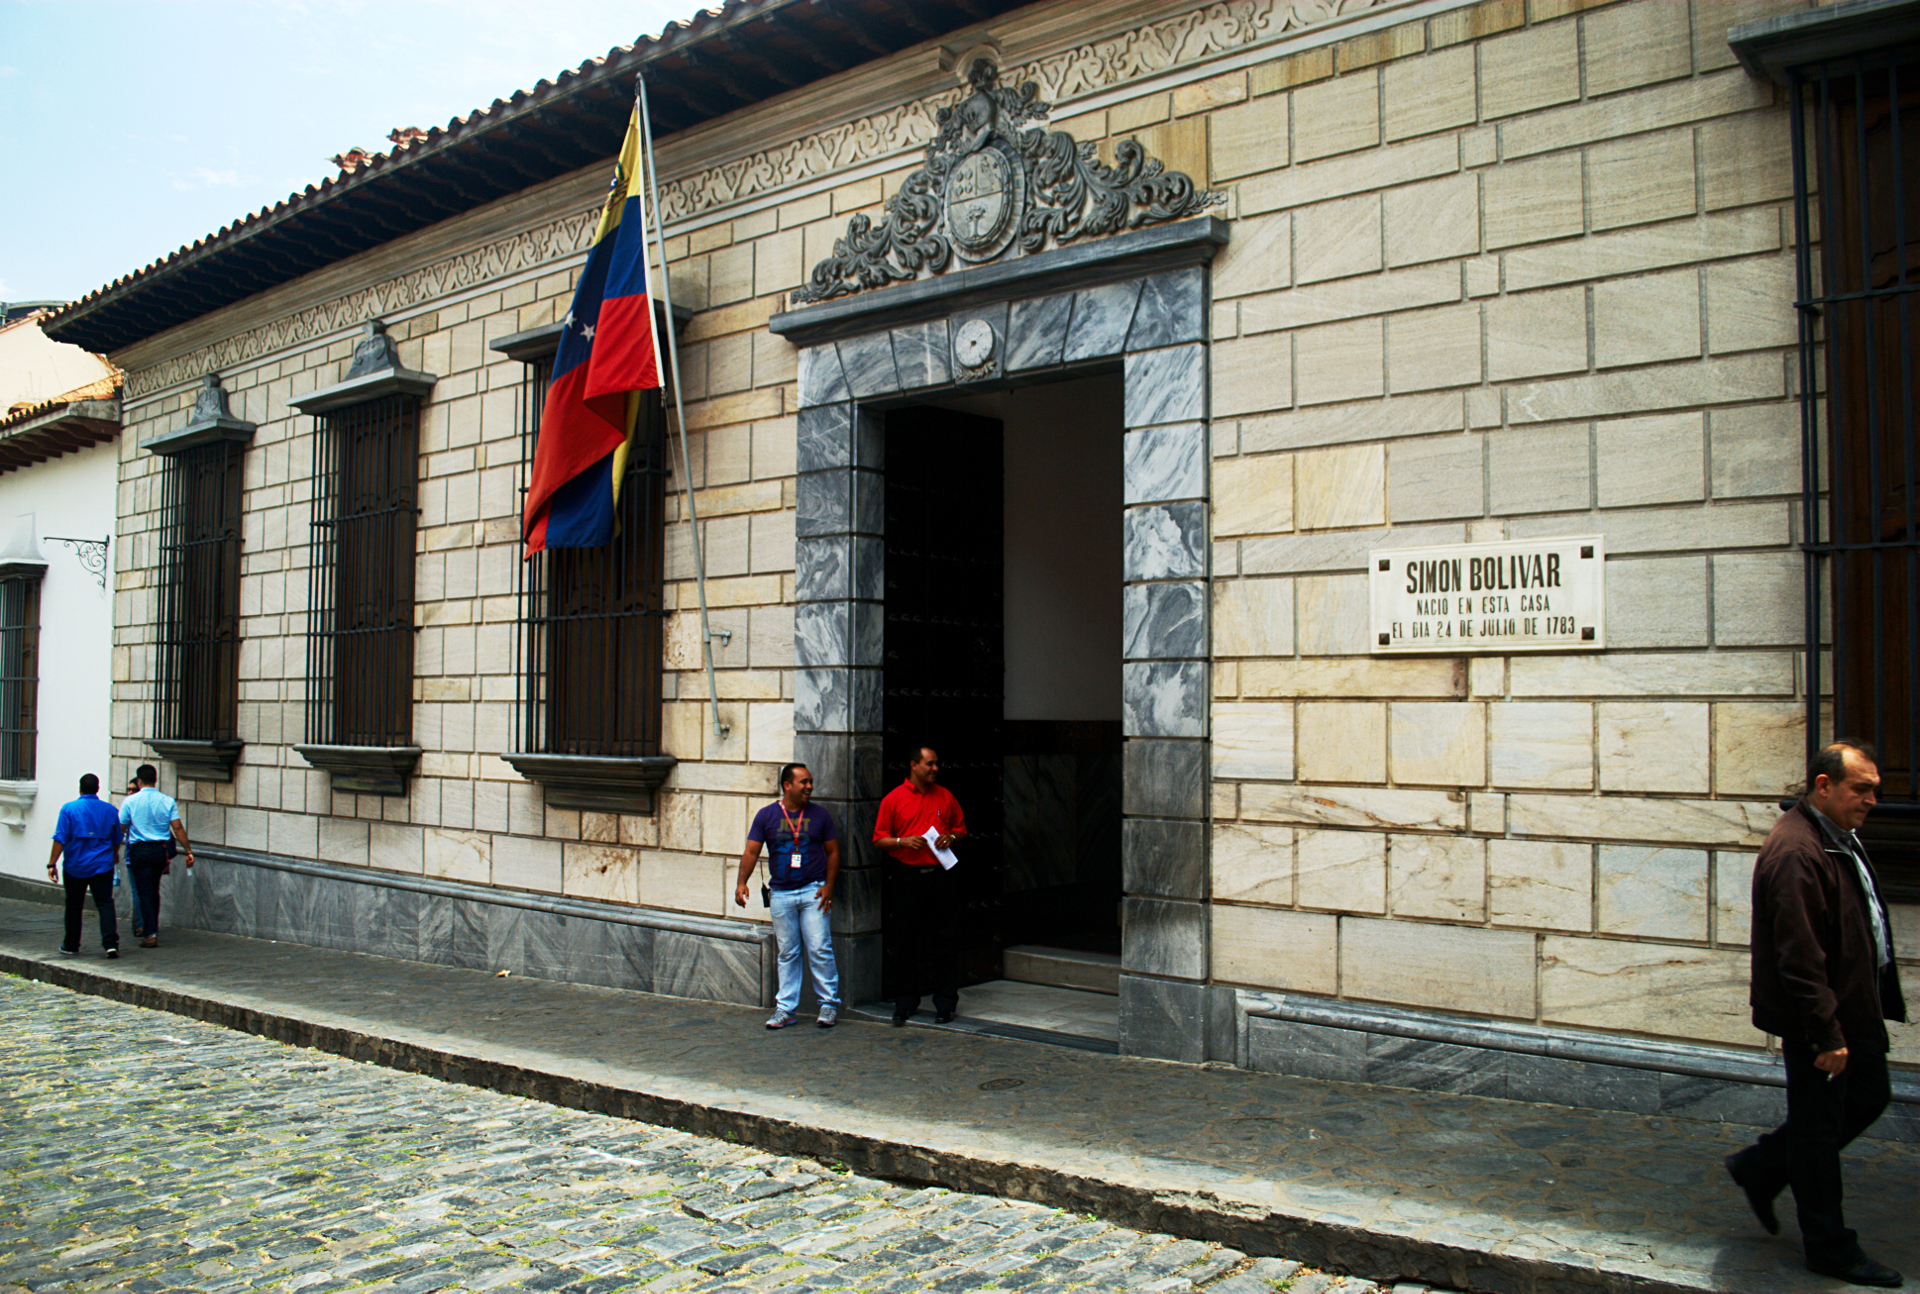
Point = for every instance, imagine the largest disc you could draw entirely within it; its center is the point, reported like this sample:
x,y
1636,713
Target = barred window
x,y
366,452
19,674
1853,85
199,594
591,618
360,607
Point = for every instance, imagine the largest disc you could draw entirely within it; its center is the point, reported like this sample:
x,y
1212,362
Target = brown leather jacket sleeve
x,y
1796,908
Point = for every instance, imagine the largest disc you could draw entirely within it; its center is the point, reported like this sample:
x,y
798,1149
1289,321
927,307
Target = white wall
x,y
1063,549
73,496
34,368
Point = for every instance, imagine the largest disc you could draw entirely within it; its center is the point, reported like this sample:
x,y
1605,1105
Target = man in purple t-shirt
x,y
804,863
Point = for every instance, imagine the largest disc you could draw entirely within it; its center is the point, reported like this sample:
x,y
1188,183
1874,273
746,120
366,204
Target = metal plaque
x,y
1518,595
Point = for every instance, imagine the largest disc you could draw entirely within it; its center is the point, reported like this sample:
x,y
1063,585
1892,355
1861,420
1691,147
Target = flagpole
x,y
679,409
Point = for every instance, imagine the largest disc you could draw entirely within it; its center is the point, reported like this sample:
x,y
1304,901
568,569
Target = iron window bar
x,y
199,622
19,676
588,655
1856,174
361,579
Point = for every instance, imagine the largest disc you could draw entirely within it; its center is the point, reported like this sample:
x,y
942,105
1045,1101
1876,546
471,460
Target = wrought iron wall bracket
x,y
91,552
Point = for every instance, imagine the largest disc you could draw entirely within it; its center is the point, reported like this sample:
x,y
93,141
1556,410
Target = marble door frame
x,y
1152,327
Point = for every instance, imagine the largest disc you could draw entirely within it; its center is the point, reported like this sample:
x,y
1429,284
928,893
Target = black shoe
x,y
1862,1270
69,952
113,954
899,1021
1762,1205
944,1017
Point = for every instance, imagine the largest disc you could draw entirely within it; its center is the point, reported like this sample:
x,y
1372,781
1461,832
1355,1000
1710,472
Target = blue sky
x,y
129,128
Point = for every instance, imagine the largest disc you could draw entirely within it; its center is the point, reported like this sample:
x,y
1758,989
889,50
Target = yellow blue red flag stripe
x,y
608,353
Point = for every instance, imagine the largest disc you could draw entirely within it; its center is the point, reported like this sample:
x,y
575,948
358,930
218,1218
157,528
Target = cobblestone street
x,y
147,1152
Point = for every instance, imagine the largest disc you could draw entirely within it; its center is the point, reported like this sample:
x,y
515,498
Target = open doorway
x,y
1003,622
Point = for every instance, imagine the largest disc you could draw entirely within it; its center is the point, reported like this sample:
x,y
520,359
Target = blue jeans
x,y
800,926
133,900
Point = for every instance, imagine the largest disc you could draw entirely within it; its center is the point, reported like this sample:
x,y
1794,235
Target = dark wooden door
x,y
945,648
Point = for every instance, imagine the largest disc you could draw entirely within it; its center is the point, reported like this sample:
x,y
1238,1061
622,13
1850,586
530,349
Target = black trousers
x,y
102,887
146,860
1804,1152
926,913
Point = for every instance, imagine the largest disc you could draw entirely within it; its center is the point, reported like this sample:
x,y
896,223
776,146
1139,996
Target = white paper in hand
x,y
946,856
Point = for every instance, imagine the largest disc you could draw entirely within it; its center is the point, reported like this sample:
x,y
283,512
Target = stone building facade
x,y
1477,272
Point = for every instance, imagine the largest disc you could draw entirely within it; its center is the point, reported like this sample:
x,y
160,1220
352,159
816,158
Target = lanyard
x,y
794,824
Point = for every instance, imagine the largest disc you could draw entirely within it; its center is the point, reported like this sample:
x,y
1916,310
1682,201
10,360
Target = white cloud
x,y
204,177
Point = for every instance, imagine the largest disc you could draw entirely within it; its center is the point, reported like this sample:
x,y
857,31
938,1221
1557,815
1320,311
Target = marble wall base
x,y
1164,1019
418,918
1351,1043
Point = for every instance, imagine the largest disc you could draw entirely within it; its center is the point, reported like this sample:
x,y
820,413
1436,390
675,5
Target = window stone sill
x,y
16,799
600,784
199,761
367,770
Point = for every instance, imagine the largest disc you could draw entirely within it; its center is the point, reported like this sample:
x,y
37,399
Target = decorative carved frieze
x,y
527,249
993,183
1069,74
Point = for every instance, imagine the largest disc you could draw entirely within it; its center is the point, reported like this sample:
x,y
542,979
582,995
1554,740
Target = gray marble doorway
x,y
1060,316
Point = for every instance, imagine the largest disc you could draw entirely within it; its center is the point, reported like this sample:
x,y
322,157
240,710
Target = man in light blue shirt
x,y
150,818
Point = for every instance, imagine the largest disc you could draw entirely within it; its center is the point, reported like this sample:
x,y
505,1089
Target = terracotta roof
x,y
715,63
105,387
86,415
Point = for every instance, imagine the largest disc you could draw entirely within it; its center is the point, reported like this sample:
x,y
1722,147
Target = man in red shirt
x,y
927,904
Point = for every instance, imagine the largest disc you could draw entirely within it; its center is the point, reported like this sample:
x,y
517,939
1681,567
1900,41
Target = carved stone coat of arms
x,y
994,184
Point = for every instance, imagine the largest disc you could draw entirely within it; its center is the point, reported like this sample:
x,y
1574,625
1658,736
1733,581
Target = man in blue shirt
x,y
150,818
89,833
801,873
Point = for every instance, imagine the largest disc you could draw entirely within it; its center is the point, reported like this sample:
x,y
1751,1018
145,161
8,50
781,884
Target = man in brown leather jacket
x,y
1824,983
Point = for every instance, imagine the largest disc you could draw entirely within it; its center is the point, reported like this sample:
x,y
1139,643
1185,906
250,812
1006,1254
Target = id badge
x,y
799,860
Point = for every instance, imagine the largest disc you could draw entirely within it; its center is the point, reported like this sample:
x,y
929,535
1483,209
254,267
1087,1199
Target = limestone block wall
x,y
1514,271
467,816
1515,268
740,236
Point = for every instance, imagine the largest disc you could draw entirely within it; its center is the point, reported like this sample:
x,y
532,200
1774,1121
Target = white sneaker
x,y
829,1016
781,1019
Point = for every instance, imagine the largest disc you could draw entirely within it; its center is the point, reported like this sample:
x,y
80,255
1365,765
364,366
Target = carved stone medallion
x,y
984,200
994,185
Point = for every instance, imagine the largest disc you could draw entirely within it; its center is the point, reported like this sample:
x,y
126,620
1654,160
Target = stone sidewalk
x,y
1466,1192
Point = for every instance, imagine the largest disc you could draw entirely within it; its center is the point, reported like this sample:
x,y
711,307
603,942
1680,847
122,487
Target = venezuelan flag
x,y
608,355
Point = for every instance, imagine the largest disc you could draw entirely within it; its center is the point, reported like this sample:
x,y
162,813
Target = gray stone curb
x,y
1326,1244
